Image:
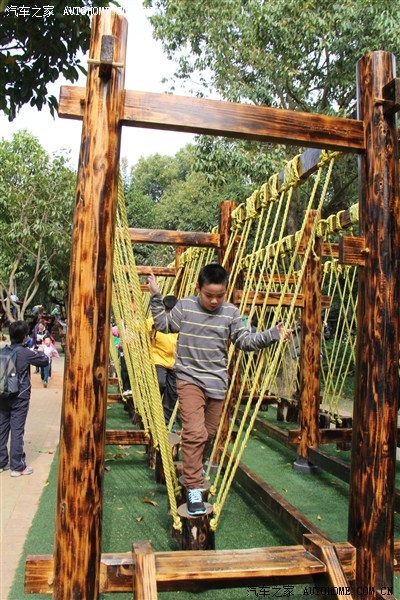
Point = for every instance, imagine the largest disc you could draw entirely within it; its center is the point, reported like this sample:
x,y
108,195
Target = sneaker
x,y
26,471
195,504
127,393
44,384
4,469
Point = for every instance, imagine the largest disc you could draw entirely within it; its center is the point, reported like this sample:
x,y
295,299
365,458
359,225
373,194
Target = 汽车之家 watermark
x,y
29,11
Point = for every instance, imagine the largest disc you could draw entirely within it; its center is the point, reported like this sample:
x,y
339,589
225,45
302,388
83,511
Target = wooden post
x,y
144,578
310,354
78,531
226,209
179,250
372,483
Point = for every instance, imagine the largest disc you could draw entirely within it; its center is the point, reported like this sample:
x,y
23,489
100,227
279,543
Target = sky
x,y
146,66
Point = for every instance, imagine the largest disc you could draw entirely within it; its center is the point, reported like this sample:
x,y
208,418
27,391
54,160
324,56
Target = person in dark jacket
x,y
14,411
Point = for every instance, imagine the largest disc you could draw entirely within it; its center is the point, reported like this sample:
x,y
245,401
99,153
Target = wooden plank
x,y
230,119
352,250
326,553
201,569
78,528
144,578
372,485
129,437
174,238
158,271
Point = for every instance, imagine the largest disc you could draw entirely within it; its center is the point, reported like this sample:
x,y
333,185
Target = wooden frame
x,y
104,106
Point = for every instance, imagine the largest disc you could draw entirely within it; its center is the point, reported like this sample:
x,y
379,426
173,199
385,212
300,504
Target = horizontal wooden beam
x,y
174,238
229,119
128,437
158,271
197,570
326,436
274,298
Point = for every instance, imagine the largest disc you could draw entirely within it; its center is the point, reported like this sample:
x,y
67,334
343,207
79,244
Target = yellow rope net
x,y
128,309
266,283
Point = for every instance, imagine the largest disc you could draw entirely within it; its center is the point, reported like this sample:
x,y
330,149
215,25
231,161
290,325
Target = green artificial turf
x,y
135,508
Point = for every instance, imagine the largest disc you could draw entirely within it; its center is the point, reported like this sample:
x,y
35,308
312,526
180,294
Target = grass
x,y
128,515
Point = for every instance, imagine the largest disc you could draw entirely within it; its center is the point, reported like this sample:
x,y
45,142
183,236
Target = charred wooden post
x,y
178,253
310,354
78,532
372,483
144,575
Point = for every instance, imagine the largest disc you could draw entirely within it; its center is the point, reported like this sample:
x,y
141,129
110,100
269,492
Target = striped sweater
x,y
201,353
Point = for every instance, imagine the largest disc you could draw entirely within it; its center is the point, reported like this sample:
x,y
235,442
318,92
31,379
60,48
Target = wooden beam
x,y
229,119
352,250
144,578
174,238
390,97
128,437
292,521
327,554
79,505
158,271
274,298
326,436
372,485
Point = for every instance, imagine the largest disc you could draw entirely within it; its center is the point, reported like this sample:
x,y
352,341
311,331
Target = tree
x,y
36,206
283,53
37,45
280,53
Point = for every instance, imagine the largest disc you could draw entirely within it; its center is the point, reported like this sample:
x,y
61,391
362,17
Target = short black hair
x,y
213,273
169,302
18,331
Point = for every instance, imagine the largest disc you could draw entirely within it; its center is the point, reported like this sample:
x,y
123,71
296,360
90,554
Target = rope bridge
x,y
268,270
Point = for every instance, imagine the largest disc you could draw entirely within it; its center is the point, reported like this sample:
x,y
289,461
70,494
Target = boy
x,y
13,412
205,324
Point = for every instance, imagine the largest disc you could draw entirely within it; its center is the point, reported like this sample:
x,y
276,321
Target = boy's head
x,y
212,286
47,340
18,331
169,302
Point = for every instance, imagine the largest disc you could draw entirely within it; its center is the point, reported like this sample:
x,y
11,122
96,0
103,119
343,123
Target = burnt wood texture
x,y
372,483
77,551
230,119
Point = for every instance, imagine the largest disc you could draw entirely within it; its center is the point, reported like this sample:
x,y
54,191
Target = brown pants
x,y
200,417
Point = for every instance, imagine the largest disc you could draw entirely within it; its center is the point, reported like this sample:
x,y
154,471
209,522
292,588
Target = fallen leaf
x,y
138,519
150,501
107,468
318,518
141,452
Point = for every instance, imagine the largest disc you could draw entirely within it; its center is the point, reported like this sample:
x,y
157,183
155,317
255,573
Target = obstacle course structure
x,y
78,570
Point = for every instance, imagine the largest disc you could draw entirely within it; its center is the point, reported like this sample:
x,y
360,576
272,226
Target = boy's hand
x,y
285,333
153,287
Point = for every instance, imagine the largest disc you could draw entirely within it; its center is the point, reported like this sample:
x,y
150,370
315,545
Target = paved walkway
x,y
19,497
